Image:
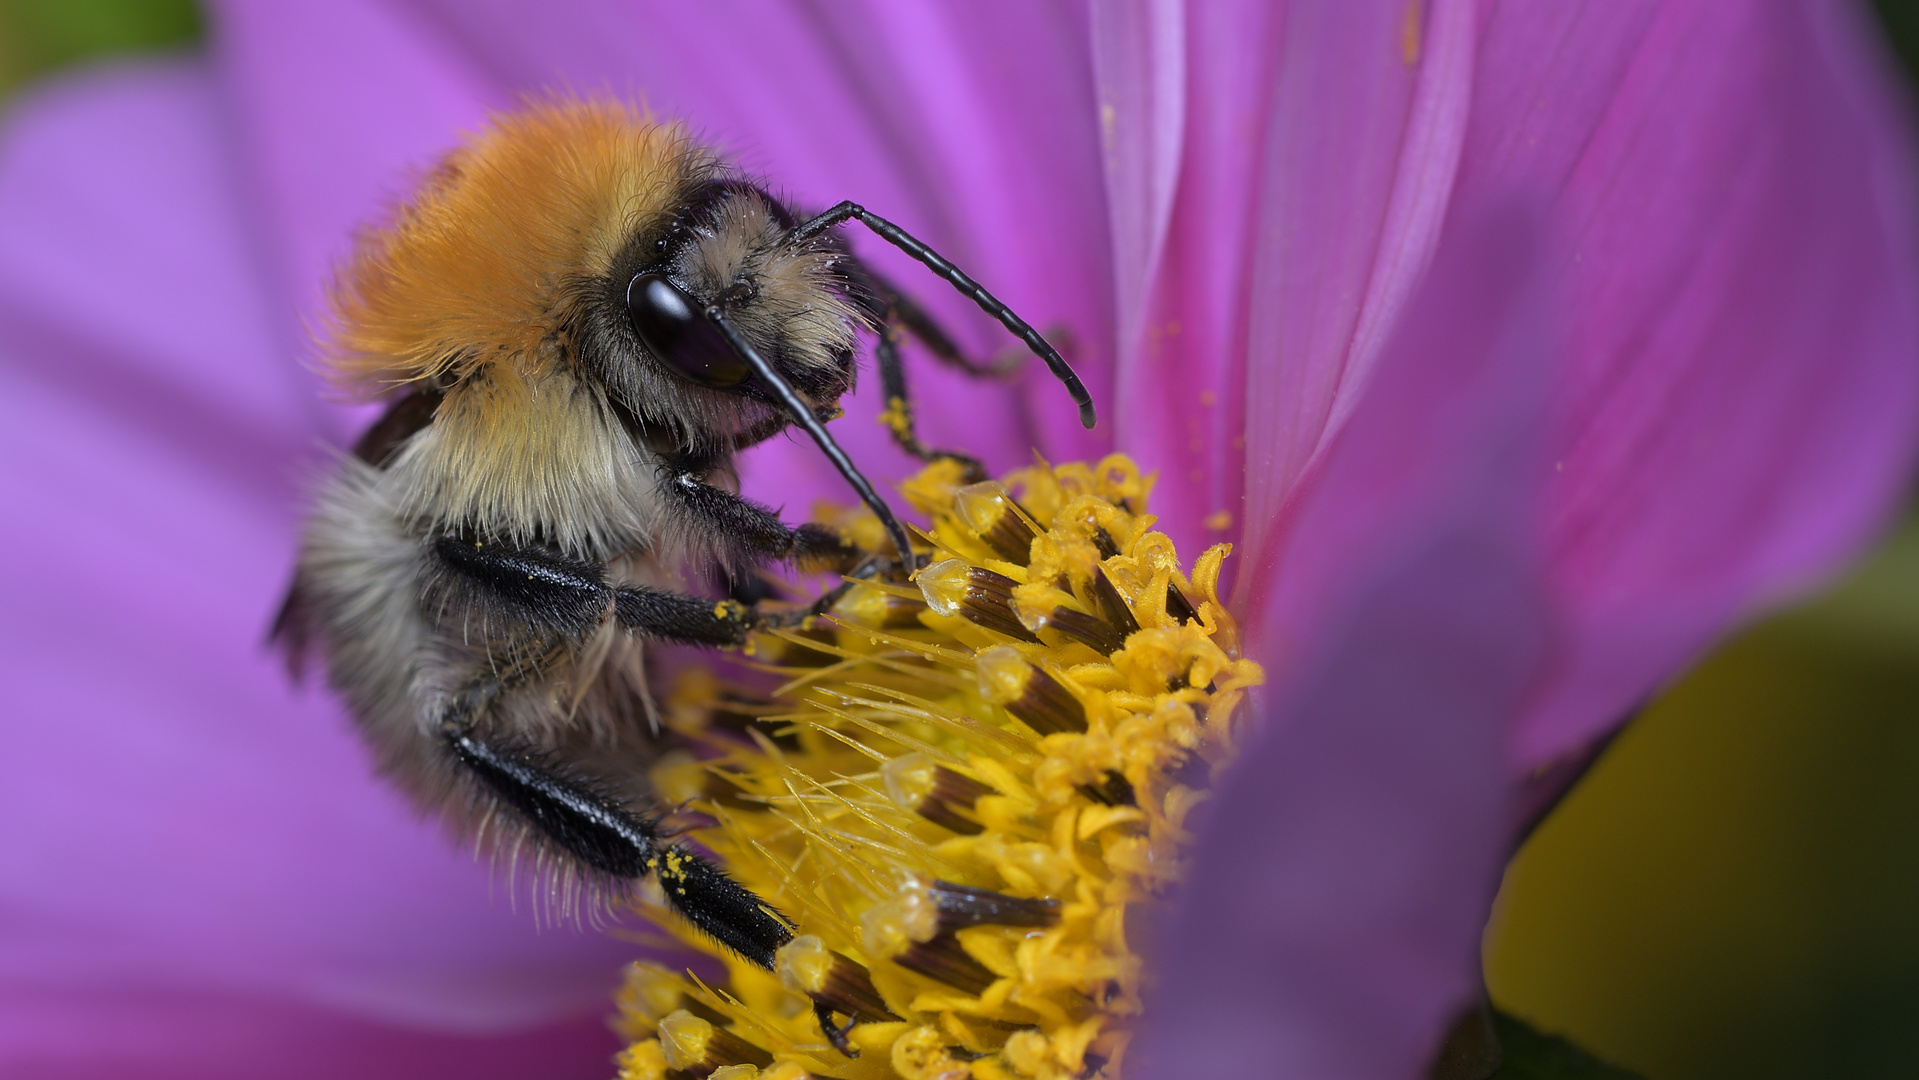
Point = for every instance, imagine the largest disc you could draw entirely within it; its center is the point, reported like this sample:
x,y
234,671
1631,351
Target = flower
x,y
1538,344
970,796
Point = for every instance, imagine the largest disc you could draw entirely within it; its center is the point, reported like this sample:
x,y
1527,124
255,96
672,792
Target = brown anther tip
x,y
915,782
1113,606
990,512
942,815
1007,680
974,593
960,906
833,980
1178,606
697,1046
1089,630
1115,790
945,960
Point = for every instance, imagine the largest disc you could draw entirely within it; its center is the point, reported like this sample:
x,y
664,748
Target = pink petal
x,y
168,1034
1318,161
1139,59
1738,415
1330,925
1733,187
189,824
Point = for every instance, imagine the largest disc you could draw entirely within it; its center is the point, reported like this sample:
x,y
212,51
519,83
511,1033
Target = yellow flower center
x,y
961,794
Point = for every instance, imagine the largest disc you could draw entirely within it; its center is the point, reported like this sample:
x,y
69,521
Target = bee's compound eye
x,y
672,328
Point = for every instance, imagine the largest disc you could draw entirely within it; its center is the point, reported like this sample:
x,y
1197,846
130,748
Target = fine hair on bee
x,y
579,319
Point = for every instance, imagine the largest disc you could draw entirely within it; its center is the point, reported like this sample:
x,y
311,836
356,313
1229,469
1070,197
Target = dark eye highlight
x,y
671,327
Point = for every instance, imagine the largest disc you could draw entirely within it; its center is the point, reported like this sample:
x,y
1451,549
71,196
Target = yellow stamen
x,y
691,1044
997,519
1007,680
961,790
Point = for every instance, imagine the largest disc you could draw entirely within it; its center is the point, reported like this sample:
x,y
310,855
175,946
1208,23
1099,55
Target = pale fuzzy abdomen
x,y
359,583
362,575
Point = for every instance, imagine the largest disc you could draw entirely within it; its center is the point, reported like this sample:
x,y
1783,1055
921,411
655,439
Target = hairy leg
x,y
592,826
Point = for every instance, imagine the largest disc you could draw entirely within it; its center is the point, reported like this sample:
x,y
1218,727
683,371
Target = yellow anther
x,y
684,1038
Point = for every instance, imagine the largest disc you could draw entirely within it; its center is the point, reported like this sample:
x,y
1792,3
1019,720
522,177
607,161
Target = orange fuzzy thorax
x,y
475,269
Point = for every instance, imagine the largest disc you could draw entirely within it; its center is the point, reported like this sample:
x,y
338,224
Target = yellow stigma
x,y
961,793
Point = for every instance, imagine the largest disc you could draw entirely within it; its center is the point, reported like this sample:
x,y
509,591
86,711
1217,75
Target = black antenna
x,y
803,416
957,278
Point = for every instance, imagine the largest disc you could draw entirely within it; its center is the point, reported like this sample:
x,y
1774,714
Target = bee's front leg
x,y
748,533
757,533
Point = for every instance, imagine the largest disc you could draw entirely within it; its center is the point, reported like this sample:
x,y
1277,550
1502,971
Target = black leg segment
x,y
899,408
675,616
720,906
613,840
754,531
544,595
595,829
520,587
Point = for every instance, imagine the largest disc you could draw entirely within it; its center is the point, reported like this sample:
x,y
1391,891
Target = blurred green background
x,y
1734,889
1732,892
39,36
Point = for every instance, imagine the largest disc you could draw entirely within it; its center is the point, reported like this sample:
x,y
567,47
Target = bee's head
x,y
726,249
579,244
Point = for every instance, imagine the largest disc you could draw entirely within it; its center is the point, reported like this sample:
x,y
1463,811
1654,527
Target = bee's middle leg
x,y
527,595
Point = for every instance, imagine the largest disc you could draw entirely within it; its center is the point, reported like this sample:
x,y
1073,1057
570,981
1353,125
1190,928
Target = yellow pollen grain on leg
x,y
958,805
896,416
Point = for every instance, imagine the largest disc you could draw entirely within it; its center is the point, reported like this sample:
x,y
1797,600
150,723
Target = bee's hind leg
x,y
597,829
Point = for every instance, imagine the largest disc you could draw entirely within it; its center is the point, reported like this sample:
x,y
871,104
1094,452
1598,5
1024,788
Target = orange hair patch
x,y
475,267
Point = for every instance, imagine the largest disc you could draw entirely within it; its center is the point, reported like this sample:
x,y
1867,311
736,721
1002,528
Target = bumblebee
x,y
585,316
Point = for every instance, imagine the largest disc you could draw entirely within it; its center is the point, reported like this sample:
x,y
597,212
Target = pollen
x,y
966,792
897,416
